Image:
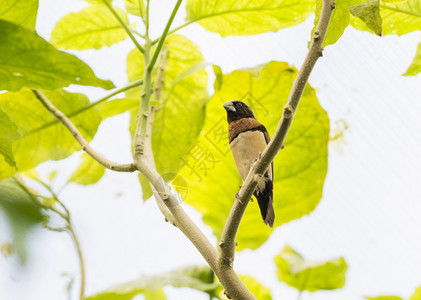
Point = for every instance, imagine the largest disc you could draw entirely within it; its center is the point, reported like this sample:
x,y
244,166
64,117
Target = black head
x,y
237,110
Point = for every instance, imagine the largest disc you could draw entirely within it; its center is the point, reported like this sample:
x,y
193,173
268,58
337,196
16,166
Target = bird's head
x,y
237,110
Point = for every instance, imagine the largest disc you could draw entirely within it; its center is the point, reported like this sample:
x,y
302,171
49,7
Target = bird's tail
x,y
265,201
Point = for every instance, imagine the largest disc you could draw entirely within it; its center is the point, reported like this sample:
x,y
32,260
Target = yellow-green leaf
x,y
369,13
118,106
98,1
300,168
339,20
415,67
91,28
195,277
20,12
416,295
256,288
155,295
310,276
178,122
27,60
247,17
135,7
384,298
399,17
88,172
42,139
8,134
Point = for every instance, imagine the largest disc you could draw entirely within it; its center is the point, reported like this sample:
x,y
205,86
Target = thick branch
x,y
259,168
232,284
80,139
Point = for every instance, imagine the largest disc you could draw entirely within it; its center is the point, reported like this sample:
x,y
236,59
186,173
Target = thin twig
x,y
123,25
229,233
137,33
80,139
87,107
81,260
164,35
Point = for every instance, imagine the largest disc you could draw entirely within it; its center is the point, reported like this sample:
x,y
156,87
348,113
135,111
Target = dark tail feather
x,y
265,201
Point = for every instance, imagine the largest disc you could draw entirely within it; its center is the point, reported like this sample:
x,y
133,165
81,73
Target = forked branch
x,y
80,138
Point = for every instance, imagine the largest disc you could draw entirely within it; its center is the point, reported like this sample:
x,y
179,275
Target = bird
x,y
247,139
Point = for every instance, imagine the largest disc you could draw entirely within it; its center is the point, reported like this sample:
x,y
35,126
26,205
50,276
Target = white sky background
x,y
370,211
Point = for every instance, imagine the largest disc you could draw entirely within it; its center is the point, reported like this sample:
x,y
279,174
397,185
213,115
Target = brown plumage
x,y
248,138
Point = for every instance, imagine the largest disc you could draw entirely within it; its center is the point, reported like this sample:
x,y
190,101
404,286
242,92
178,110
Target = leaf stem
x,y
137,33
229,233
164,36
80,138
123,25
87,107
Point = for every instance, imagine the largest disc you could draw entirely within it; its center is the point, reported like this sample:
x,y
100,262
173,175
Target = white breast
x,y
246,148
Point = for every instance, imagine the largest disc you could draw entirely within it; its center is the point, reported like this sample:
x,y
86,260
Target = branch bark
x,y
80,138
229,233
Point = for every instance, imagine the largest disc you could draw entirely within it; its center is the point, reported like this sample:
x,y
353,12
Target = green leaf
x,y
247,17
135,7
339,20
196,277
20,12
118,106
415,67
369,13
300,168
384,298
42,139
88,172
146,187
399,17
310,276
91,28
8,134
22,212
178,122
27,60
416,295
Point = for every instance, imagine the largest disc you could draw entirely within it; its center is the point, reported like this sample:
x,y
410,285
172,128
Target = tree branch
x,y
80,139
229,233
149,63
123,25
89,106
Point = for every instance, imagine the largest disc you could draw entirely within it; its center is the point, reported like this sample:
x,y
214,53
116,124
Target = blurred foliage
x,y
310,276
22,210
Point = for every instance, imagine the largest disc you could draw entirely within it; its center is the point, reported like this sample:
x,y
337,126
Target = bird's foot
x,y
258,157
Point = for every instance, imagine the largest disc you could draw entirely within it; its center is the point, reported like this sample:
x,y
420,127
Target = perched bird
x,y
248,138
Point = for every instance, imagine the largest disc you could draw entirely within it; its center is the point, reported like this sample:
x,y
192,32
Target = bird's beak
x,y
229,106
